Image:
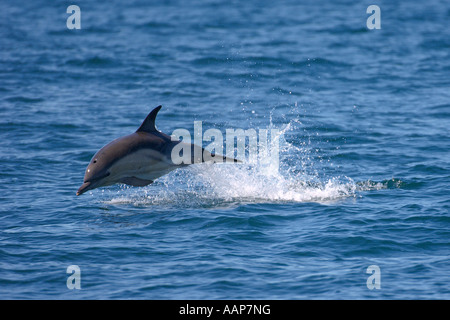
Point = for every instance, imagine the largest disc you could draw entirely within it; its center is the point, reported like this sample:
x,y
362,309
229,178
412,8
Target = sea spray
x,y
259,180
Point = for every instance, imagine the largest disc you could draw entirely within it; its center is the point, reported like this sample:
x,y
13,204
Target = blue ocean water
x,y
364,162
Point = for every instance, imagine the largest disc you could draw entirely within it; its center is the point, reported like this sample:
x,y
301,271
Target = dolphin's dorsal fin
x,y
149,123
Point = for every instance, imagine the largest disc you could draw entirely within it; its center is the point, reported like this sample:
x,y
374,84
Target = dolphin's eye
x,y
95,161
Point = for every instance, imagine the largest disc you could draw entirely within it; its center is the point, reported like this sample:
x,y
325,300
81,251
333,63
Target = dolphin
x,y
141,157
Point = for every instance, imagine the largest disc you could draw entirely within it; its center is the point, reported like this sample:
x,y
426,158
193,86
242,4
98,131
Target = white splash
x,y
206,185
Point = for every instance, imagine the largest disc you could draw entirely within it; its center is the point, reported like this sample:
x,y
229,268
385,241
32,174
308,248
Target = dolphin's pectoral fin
x,y
135,182
199,155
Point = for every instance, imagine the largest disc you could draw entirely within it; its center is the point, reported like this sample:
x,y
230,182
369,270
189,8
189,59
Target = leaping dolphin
x,y
139,158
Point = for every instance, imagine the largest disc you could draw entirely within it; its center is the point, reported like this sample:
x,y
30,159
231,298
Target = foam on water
x,y
207,185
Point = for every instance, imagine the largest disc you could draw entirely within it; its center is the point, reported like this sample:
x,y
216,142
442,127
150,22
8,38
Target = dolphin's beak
x,y
84,187
92,184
